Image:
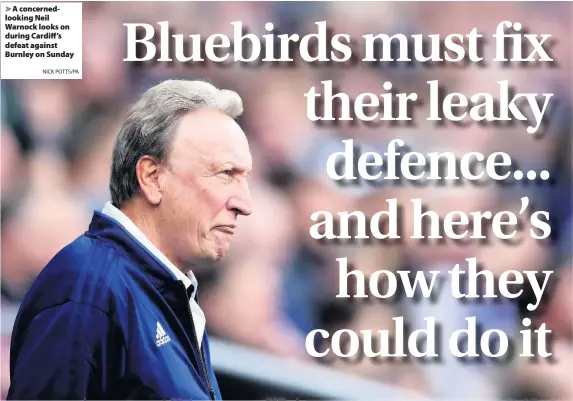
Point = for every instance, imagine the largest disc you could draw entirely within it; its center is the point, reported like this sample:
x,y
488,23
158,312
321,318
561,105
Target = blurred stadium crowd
x,y
278,283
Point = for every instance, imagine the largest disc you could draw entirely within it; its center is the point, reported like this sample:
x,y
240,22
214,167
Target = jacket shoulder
x,y
87,271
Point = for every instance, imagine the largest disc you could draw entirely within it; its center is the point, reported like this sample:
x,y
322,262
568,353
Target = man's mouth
x,y
228,228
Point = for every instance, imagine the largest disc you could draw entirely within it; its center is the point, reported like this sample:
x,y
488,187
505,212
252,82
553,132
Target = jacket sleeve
x,y
68,351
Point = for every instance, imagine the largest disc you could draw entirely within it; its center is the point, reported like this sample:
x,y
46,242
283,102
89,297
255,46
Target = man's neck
x,y
145,219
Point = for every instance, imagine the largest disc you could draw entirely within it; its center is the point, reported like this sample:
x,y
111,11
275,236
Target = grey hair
x,y
151,123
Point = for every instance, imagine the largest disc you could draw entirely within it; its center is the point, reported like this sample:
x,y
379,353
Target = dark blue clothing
x,y
106,320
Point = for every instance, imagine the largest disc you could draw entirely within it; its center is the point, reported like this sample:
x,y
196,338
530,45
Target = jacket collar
x,y
114,213
108,229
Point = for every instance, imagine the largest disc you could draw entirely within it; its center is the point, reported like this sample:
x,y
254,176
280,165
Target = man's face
x,y
205,185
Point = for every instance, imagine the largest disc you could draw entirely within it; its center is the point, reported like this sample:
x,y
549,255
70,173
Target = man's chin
x,y
219,252
215,250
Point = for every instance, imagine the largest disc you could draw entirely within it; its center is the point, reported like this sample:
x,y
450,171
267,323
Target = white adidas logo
x,y
161,336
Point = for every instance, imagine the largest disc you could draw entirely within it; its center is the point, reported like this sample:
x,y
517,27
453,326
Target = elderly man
x,y
114,315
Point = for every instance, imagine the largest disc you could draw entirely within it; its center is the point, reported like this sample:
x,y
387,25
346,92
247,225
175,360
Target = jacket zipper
x,y
199,349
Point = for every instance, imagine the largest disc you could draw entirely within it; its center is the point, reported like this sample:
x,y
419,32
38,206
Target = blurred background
x,y
56,144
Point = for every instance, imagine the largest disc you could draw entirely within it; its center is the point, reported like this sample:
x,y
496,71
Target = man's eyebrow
x,y
241,169
244,169
231,166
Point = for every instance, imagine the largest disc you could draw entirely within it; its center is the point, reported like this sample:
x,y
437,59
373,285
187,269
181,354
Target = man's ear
x,y
148,174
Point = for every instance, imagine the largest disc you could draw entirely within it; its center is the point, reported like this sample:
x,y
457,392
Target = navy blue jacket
x,y
90,325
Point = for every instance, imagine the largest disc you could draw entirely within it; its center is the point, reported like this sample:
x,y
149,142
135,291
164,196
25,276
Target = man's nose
x,y
241,202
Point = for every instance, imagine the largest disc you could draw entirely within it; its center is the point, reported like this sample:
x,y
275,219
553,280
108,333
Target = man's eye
x,y
227,172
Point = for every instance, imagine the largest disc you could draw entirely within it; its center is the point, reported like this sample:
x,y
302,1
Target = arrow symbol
x,y
7,8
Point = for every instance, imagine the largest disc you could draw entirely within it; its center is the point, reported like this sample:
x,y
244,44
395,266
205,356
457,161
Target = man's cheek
x,y
215,199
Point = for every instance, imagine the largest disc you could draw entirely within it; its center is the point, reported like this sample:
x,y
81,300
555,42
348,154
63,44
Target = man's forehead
x,y
213,136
